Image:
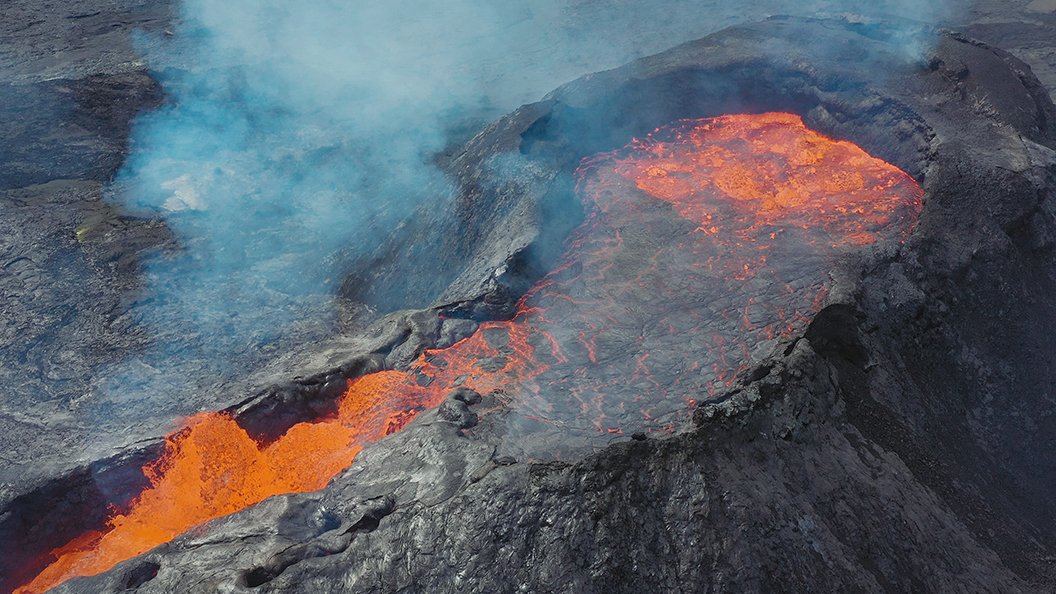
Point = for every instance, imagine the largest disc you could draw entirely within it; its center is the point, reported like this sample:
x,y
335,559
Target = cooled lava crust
x,y
901,439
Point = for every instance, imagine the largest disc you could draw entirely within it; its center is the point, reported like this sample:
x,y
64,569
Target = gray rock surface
x,y
899,445
903,444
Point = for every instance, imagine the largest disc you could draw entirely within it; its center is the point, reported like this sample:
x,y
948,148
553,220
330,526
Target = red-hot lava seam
x,y
769,205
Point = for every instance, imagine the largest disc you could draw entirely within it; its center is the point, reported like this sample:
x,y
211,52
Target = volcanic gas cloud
x,y
704,243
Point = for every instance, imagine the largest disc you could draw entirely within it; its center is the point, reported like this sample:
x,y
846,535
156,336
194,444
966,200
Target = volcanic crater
x,y
751,230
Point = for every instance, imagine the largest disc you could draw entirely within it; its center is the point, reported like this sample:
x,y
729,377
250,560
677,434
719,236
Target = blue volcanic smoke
x,y
297,137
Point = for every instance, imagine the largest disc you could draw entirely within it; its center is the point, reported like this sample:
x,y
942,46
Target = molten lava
x,y
703,241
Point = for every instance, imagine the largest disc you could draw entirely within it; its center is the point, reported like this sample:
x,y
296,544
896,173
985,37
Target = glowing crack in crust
x,y
702,241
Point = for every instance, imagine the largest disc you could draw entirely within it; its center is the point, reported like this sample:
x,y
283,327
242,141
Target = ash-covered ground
x,y
902,442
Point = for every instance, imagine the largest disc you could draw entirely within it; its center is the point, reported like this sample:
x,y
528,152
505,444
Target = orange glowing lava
x,y
702,241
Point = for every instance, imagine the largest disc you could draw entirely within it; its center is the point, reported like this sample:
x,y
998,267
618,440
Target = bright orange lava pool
x,y
702,241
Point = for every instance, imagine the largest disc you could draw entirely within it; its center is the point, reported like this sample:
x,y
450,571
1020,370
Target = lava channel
x,y
705,243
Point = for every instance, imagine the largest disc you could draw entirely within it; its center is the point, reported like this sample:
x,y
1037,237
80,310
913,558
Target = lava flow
x,y
705,243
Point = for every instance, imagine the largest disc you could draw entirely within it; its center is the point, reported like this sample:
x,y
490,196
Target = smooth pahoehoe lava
x,y
705,243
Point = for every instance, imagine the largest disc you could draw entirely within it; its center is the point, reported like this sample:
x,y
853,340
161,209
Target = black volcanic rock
x,y
70,129
904,442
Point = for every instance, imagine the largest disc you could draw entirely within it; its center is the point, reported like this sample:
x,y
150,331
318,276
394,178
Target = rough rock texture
x,y
71,79
904,443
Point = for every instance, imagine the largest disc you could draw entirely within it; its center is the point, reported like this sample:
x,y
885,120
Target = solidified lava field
x,y
703,241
